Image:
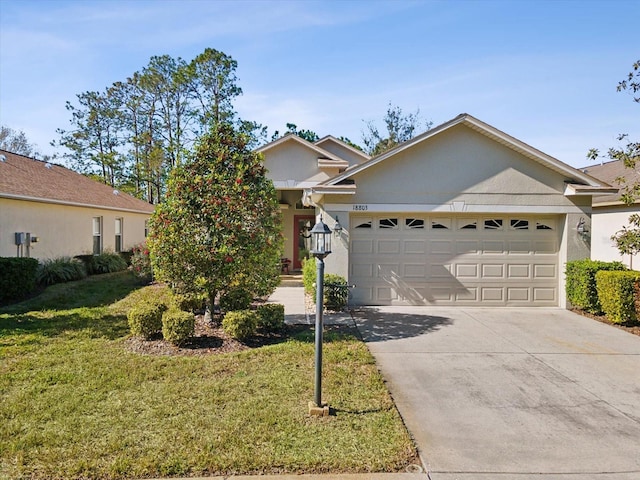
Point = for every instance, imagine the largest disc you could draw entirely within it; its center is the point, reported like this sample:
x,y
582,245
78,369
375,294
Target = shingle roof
x,y
30,179
611,172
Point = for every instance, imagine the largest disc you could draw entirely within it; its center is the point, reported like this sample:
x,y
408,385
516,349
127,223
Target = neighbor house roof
x,y
614,173
291,137
24,178
573,175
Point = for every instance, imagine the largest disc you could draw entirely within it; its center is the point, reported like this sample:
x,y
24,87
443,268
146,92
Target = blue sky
x,y
543,71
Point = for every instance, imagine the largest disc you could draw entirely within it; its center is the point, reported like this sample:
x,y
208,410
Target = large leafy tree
x,y
628,239
17,142
399,127
219,226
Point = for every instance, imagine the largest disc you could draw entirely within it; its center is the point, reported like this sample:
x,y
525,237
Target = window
x,y
118,235
388,223
493,224
442,224
468,225
364,223
519,224
543,226
97,235
413,223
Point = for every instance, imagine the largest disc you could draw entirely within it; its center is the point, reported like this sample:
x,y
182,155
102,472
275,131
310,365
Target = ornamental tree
x,y
219,226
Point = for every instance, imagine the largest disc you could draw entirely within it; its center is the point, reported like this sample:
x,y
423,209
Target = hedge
x,y
581,283
617,294
17,277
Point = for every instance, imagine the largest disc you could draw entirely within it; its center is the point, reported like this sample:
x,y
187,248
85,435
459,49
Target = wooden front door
x,y
302,225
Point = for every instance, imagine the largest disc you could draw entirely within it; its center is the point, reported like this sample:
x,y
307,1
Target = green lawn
x,y
75,403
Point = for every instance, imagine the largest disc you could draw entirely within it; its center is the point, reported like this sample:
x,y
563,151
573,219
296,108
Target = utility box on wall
x,y
21,238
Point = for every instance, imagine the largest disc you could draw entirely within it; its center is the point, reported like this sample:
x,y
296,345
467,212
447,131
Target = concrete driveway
x,y
511,393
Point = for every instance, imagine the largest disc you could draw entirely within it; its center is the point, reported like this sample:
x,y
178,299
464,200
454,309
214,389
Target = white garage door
x,y
406,259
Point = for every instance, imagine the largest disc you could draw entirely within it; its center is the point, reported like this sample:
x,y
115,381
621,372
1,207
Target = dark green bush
x,y
336,293
235,299
17,277
270,317
309,274
145,317
61,270
240,324
177,326
581,283
617,294
107,262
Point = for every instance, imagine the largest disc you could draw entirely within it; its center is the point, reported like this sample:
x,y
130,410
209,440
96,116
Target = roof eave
x,y
26,198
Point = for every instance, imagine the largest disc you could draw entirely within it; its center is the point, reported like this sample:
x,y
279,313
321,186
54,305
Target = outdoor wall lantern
x,y
582,228
337,228
321,247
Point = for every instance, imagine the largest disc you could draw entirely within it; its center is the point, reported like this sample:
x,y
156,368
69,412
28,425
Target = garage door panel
x,y
451,260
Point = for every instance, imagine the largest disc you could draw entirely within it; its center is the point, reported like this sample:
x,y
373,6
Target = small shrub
x,y
309,274
145,317
240,324
61,270
189,302
270,317
177,326
581,283
617,294
141,263
107,262
336,293
235,299
17,277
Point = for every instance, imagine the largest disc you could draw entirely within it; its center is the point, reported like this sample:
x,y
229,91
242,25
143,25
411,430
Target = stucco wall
x,y
292,161
605,222
342,152
63,230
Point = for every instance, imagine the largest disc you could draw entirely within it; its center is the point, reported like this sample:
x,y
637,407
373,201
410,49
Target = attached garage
x,y
409,259
463,214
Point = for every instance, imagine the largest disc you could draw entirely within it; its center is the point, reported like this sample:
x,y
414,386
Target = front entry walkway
x,y
511,393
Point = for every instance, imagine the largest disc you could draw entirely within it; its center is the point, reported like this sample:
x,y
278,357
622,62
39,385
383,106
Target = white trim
x,y
449,208
71,204
572,189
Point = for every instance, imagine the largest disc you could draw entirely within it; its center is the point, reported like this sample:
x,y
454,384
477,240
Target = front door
x,y
302,225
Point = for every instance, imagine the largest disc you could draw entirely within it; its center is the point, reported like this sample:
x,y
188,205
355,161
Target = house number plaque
x,y
360,208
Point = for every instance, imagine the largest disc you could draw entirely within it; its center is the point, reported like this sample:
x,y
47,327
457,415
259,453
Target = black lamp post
x,y
320,248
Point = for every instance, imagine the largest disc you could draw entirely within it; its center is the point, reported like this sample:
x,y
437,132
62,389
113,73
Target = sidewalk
x,y
296,311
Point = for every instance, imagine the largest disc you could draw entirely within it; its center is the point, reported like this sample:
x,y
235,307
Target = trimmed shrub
x,y
17,277
178,326
61,270
240,324
235,299
309,275
270,317
581,283
145,318
336,293
617,294
189,302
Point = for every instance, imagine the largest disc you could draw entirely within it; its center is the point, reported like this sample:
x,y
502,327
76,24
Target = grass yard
x,y
76,403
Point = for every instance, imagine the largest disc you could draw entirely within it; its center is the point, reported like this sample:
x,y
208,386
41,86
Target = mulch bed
x,y
631,327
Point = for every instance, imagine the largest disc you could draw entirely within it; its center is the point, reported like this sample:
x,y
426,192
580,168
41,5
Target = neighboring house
x,y
48,211
463,214
610,213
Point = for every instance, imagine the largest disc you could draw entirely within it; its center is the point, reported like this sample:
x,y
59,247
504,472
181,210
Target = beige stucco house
x,y
48,211
463,214
610,214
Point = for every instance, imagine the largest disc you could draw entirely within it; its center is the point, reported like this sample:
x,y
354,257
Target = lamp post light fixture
x,y
321,247
337,228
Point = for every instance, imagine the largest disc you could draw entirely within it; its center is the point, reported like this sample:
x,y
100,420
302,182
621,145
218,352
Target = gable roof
x,y
528,151
25,178
291,137
332,139
612,172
